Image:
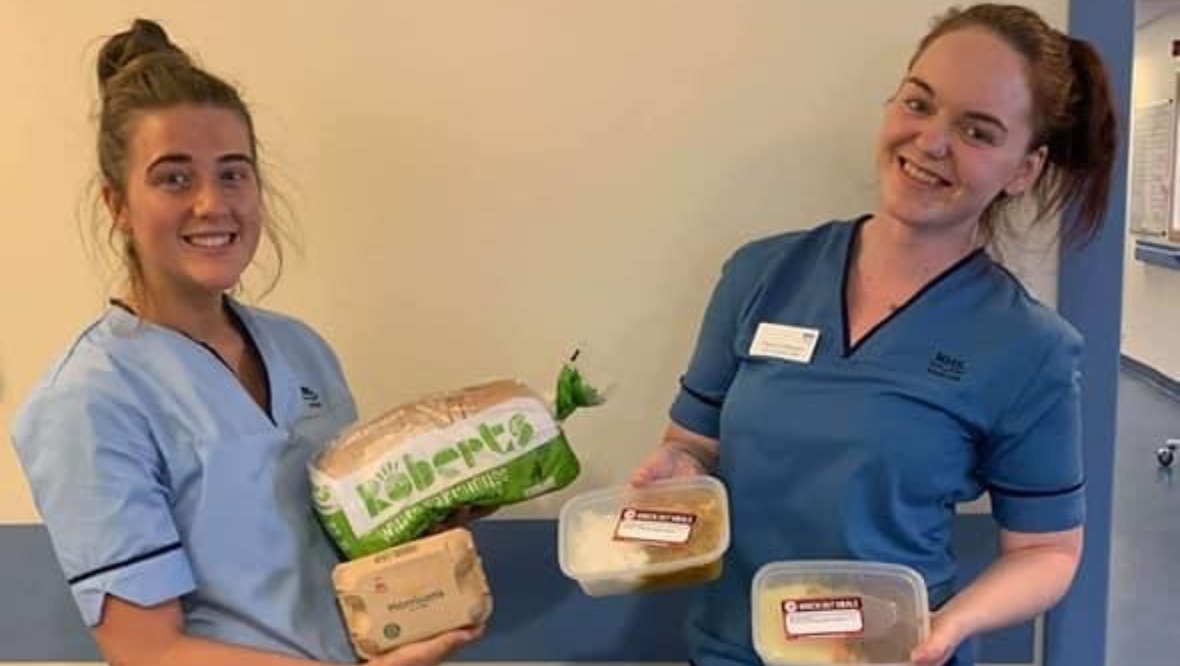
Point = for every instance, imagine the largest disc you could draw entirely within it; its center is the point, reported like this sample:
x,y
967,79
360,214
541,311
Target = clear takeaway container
x,y
837,612
669,533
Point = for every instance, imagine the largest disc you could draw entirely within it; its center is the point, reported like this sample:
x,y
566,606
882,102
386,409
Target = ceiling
x,y
1148,10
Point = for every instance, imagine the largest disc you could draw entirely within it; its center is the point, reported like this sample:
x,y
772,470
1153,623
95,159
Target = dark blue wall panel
x,y
540,615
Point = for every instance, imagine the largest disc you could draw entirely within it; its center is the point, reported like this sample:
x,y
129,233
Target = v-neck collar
x,y
248,336
853,233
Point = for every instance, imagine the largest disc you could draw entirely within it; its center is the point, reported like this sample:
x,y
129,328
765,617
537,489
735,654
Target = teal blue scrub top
x,y
159,477
839,451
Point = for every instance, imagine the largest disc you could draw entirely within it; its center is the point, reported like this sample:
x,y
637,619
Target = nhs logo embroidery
x,y
310,398
946,366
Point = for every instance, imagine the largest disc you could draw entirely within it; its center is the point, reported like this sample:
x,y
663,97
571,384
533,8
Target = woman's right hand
x,y
666,462
429,651
682,453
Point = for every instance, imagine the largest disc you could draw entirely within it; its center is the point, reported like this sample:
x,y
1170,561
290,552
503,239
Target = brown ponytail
x,y
1082,150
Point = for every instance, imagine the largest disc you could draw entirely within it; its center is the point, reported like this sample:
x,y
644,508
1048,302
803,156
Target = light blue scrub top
x,y
862,452
158,476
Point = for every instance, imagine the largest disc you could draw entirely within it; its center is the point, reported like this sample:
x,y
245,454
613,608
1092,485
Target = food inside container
x,y
670,533
412,592
837,612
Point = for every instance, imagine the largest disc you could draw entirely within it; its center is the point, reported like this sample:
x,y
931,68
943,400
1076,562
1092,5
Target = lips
x,y
920,174
211,240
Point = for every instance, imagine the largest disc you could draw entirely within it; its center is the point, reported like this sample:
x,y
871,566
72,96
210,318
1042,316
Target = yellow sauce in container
x,y
808,613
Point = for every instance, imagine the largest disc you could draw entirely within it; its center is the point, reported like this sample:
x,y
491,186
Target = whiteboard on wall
x,y
1153,157
1172,231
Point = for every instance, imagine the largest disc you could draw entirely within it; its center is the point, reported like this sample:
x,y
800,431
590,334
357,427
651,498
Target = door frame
x,y
1090,293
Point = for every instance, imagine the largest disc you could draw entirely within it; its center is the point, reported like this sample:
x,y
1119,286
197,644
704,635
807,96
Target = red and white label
x,y
662,527
827,616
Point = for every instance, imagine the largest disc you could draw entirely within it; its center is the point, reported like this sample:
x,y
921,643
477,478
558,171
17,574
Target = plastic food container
x,y
670,533
837,612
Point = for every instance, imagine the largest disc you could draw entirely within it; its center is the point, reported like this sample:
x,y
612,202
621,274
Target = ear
x,y
1027,172
114,204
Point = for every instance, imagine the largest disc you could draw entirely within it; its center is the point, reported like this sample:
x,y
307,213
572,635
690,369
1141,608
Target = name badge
x,y
790,343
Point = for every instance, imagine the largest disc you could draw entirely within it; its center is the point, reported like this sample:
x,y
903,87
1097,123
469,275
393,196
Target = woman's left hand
x,y
939,646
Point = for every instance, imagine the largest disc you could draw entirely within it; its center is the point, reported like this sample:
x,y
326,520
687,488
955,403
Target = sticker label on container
x,y
662,527
829,616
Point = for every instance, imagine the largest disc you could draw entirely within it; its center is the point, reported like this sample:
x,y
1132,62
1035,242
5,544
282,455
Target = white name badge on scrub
x,y
790,343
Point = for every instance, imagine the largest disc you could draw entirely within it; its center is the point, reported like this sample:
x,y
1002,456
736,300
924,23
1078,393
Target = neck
x,y
201,318
888,246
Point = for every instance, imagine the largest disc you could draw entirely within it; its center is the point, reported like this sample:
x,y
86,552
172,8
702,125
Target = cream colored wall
x,y
481,184
1151,293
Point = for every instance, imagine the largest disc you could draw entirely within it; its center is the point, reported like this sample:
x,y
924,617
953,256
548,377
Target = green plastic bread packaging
x,y
389,480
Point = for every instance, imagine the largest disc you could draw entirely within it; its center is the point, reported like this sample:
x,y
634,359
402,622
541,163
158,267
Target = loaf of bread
x,y
389,480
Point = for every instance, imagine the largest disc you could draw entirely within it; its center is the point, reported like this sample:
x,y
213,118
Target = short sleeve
x,y
714,363
1032,463
101,489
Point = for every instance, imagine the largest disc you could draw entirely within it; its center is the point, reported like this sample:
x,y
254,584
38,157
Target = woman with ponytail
x,y
855,382
167,448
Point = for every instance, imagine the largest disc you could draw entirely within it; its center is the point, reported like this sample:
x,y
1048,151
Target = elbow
x,y
1070,552
154,655
1055,556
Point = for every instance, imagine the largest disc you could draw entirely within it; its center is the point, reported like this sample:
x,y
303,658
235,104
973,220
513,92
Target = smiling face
x,y
192,208
957,133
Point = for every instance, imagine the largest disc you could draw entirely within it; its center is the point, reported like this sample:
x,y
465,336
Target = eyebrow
x,y
182,158
976,115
